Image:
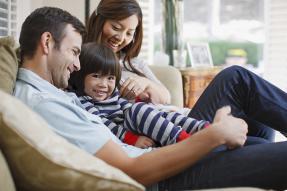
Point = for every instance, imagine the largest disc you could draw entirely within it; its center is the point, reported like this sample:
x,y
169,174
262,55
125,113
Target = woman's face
x,y
118,34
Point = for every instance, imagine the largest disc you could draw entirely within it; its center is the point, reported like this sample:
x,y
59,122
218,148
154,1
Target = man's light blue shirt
x,y
65,115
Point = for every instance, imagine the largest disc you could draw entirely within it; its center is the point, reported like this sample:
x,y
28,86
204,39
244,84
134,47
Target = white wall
x,y
93,5
75,7
23,10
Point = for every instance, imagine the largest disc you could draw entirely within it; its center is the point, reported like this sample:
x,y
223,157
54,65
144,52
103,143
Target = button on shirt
x,y
65,115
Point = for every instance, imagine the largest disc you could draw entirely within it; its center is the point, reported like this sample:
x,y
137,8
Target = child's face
x,y
99,87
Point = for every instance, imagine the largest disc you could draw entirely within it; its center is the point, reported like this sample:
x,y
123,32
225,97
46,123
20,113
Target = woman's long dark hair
x,y
95,58
117,10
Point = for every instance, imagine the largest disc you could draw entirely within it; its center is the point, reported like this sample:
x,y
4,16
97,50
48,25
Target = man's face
x,y
64,60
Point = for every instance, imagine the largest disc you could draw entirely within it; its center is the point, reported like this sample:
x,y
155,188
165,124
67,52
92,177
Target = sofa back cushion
x,y
8,64
41,160
6,181
171,78
8,72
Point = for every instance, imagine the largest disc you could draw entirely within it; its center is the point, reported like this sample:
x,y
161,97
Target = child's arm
x,y
123,134
127,136
124,103
116,129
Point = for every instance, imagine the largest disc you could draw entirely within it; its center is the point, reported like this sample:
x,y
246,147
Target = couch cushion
x,y
171,78
8,64
6,182
41,160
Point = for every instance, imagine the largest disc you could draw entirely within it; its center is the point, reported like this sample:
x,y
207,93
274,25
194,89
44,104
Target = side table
x,y
195,80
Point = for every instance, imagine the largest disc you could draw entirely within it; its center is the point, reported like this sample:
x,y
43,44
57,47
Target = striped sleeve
x,y
90,107
116,129
125,104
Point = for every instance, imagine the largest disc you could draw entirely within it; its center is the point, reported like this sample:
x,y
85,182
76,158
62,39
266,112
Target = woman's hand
x,y
144,142
145,89
133,87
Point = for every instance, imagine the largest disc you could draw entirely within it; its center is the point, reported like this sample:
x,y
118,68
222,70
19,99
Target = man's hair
x,y
46,19
117,10
95,58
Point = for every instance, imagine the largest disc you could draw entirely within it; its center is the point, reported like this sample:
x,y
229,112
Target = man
x,y
50,43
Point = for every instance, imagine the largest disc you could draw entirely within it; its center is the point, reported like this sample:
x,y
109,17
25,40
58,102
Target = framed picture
x,y
199,54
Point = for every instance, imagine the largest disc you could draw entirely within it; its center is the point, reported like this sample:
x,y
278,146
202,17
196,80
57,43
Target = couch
x,y
25,161
32,157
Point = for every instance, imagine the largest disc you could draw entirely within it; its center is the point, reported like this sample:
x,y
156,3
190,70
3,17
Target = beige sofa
x,y
32,157
23,153
36,157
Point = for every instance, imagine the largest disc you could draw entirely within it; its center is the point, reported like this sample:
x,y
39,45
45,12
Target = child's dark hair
x,y
95,58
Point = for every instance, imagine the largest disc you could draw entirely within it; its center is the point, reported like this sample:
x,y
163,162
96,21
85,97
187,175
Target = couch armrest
x,y
171,78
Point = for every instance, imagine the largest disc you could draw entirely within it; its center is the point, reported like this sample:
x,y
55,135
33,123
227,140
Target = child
x,y
96,85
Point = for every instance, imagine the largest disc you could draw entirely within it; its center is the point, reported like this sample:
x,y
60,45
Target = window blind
x,y
8,17
275,66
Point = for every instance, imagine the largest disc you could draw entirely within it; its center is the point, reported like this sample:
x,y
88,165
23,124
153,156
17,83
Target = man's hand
x,y
232,129
144,142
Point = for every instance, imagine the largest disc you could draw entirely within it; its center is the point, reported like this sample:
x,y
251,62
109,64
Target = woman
x,y
118,25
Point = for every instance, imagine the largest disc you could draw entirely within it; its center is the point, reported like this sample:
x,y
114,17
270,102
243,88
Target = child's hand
x,y
144,142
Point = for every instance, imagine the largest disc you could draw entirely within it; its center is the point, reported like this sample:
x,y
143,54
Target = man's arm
x,y
150,167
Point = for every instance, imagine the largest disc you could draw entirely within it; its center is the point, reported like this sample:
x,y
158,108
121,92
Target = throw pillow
x,y
8,64
43,161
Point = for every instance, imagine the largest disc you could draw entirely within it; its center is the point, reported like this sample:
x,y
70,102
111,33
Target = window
x,y
8,16
224,24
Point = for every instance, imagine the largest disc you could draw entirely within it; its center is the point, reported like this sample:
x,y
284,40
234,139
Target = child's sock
x,y
182,135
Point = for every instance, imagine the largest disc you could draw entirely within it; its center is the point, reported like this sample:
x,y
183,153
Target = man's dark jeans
x,y
252,98
261,165
263,106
